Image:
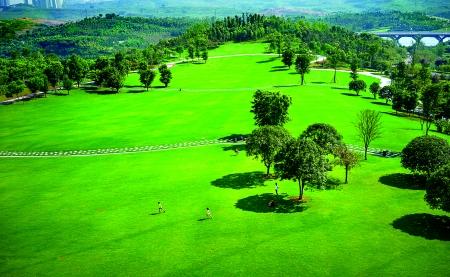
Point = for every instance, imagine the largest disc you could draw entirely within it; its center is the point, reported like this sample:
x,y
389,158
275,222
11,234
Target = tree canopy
x,y
426,154
266,142
270,108
438,189
302,160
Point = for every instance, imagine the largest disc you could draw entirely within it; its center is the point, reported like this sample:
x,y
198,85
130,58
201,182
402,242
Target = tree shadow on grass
x,y
137,91
338,88
279,69
380,103
240,147
318,83
423,225
395,114
260,204
348,94
241,180
100,92
268,60
367,97
403,181
286,86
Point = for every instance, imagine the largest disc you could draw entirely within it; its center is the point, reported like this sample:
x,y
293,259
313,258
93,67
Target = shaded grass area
x,y
432,227
240,180
404,181
270,203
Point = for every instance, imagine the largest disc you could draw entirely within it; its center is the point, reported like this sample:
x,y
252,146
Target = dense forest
x,y
93,36
388,21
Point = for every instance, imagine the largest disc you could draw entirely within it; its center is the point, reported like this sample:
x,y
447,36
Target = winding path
x,y
155,148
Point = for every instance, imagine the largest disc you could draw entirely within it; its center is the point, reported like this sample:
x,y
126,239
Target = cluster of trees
x,y
33,70
307,158
430,156
413,89
38,73
391,20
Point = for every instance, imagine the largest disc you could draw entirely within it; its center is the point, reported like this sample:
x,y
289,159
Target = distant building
x,y
48,4
45,4
4,3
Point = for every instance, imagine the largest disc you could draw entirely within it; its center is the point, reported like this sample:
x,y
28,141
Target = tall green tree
x,y
146,77
302,64
16,87
36,83
426,154
78,69
431,104
67,83
386,93
346,158
301,160
335,56
205,55
438,189
354,69
357,86
288,57
369,128
270,108
114,79
324,135
165,75
54,72
374,89
265,143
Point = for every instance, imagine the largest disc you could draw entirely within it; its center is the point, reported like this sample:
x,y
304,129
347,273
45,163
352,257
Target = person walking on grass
x,y
161,208
208,213
276,188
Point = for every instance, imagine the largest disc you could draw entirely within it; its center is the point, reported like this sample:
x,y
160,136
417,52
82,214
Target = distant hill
x,y
280,7
89,37
208,8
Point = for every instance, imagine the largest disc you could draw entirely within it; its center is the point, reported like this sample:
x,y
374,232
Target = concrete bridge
x,y
417,36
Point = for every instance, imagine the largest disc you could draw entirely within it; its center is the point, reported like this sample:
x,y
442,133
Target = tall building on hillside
x,y
4,3
48,4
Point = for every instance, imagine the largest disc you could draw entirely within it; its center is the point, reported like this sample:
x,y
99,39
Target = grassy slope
x,y
214,102
90,216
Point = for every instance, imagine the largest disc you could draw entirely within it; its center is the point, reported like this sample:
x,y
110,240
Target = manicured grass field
x,y
96,216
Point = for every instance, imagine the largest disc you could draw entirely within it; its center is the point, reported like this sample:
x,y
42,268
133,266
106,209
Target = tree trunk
x,y
268,170
301,186
346,174
334,77
427,127
365,152
303,79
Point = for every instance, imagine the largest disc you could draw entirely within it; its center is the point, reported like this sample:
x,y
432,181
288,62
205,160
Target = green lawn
x,y
94,216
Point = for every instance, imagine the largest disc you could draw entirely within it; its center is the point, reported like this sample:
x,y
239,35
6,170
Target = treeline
x,y
392,21
39,73
414,90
